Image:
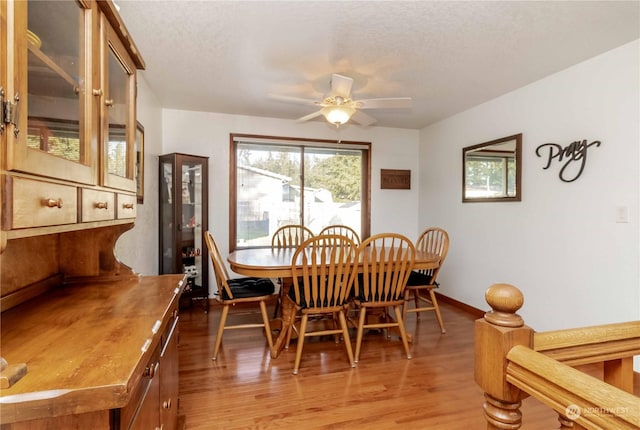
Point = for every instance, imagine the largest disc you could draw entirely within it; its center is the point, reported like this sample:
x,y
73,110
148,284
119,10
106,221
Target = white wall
x,y
207,134
138,248
561,245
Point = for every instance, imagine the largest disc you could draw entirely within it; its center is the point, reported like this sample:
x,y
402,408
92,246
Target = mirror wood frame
x,y
518,173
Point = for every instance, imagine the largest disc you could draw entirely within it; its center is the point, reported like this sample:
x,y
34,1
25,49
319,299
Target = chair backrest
x,y
219,268
329,269
387,260
342,230
290,236
436,241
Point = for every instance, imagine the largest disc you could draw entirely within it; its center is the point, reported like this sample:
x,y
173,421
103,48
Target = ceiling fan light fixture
x,y
337,115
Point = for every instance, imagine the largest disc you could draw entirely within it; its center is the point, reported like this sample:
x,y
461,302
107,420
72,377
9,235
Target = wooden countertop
x,y
85,345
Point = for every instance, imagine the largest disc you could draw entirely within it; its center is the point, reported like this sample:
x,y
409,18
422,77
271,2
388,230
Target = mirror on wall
x,y
491,171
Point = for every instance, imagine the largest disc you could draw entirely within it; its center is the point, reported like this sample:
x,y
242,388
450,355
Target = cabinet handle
x,y
127,205
102,205
166,404
151,370
97,91
54,203
108,102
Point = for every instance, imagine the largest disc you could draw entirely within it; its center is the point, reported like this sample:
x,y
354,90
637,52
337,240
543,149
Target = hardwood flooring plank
x,y
247,389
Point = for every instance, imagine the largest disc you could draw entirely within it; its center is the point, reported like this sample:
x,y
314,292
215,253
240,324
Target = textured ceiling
x,y
226,56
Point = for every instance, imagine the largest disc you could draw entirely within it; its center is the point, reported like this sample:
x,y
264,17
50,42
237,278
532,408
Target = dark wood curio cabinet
x,y
183,222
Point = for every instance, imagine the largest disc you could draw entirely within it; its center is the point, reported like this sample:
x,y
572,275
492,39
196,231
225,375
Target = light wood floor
x,y
246,389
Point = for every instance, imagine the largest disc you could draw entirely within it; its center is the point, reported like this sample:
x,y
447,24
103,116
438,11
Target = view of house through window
x,y
490,175
294,182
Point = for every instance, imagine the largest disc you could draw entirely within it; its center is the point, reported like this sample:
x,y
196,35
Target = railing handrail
x,y
592,344
513,362
588,401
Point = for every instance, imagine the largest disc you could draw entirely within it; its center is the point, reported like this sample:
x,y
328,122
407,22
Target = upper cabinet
x,y
68,88
71,92
52,131
117,112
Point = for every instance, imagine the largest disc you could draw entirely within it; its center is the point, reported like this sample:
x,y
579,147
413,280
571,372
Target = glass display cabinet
x,y
183,222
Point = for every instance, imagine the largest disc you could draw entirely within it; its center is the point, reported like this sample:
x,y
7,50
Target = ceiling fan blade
x,y
362,118
341,86
291,99
310,116
386,103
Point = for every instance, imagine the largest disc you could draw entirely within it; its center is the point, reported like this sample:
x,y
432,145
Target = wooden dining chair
x,y
343,230
434,240
328,270
234,291
290,236
287,236
387,260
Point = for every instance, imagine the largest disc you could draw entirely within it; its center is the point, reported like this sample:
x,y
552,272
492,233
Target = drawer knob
x,y
166,404
108,102
97,92
54,203
102,205
151,370
127,205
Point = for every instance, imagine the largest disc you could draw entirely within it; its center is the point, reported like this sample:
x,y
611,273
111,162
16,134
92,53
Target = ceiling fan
x,y
338,106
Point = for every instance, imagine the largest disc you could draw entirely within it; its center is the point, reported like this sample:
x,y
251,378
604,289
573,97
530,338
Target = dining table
x,y
277,263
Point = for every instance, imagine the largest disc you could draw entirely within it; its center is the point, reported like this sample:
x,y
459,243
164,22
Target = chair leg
x,y
223,321
290,330
303,329
436,308
276,308
347,340
403,332
405,305
416,300
361,321
267,326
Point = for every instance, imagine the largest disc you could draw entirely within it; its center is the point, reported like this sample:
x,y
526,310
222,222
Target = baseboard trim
x,y
478,313
475,312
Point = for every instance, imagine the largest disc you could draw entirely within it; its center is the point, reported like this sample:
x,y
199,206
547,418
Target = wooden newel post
x,y
500,330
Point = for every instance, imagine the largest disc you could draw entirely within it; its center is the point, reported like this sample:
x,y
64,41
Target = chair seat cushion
x,y
309,303
417,279
242,288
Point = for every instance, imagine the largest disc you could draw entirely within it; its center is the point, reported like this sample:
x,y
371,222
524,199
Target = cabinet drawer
x,y
127,205
97,205
38,203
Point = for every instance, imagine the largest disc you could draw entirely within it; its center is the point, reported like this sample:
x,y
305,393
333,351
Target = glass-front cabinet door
x,y
183,221
118,114
52,107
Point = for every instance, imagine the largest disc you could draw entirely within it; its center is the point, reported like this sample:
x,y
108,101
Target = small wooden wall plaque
x,y
395,179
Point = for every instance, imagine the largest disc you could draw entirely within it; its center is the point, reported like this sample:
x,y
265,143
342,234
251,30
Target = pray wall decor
x,y
573,155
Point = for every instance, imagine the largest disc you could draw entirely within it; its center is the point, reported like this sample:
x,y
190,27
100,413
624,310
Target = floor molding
x,y
478,313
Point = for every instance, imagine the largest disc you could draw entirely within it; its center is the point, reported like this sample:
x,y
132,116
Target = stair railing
x,y
513,362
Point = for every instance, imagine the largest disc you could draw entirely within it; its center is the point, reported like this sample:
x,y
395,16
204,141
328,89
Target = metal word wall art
x,y
574,156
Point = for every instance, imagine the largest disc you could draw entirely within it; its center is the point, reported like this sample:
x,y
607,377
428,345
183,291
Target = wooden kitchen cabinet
x,y
97,361
155,402
68,101
97,344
